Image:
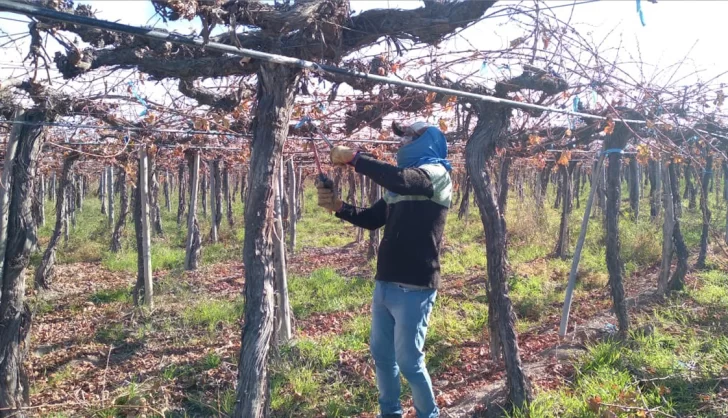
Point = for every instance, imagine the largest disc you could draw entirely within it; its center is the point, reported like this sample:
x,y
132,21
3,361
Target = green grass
x,y
325,291
210,314
122,295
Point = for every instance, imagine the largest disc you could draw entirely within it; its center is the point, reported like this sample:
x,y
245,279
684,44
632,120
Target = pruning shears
x,y
322,177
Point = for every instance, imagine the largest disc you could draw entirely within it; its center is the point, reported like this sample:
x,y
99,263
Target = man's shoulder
x,y
441,183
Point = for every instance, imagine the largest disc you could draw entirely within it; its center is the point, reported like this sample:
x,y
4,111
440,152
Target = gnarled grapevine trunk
x,y
204,186
215,200
16,235
167,200
182,193
562,244
228,198
276,90
634,187
656,195
293,199
465,202
155,212
45,271
668,227
615,265
704,206
677,281
123,212
491,128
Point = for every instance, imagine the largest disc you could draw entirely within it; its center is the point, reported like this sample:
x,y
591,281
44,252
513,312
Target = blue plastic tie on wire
x,y
139,99
640,13
322,106
613,151
576,103
484,69
302,121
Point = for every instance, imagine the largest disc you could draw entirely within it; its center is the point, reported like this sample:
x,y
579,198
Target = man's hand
x,y
326,198
341,155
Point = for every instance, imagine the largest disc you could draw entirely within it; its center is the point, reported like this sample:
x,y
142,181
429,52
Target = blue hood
x,y
429,148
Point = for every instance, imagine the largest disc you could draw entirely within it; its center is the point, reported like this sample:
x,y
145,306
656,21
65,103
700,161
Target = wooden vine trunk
x,y
562,243
465,201
16,231
656,176
123,212
182,193
275,94
492,125
192,244
634,187
44,273
293,210
705,209
228,198
615,265
668,227
204,188
155,210
677,281
215,200
167,200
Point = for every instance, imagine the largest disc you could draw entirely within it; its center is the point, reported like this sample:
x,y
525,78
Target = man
x,y
414,209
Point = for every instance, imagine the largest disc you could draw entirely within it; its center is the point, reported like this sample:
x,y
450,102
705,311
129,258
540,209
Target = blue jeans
x,y
399,325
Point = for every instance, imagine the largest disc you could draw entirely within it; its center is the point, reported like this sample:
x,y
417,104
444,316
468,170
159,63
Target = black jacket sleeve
x,y
403,181
368,218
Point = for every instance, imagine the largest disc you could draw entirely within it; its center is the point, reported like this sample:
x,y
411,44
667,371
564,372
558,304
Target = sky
x,y
673,31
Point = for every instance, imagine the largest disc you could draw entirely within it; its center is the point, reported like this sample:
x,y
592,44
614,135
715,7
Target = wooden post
x,y
283,319
192,244
110,193
102,191
146,241
577,251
